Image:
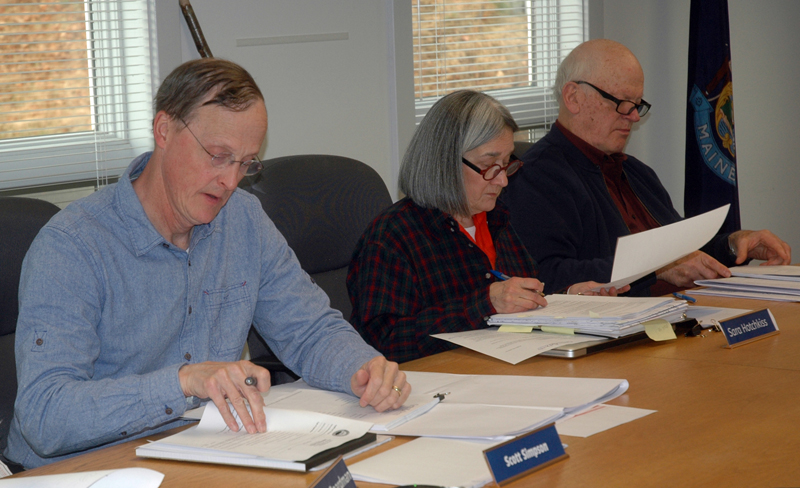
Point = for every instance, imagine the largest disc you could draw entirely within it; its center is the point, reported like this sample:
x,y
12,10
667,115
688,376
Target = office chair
x,y
20,221
321,204
520,147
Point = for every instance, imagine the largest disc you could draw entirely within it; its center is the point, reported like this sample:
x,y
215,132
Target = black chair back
x,y
20,221
321,204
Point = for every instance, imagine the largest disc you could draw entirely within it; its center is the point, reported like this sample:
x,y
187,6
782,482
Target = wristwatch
x,y
731,248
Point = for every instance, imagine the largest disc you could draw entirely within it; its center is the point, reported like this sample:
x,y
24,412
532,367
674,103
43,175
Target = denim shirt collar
x,y
143,235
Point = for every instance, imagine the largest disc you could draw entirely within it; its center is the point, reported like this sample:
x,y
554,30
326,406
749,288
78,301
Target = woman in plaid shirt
x,y
425,265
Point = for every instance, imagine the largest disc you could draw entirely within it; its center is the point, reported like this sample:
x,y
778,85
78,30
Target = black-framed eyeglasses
x,y
624,107
223,160
490,173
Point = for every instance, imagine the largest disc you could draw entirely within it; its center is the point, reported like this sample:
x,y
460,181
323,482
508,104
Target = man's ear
x,y
161,125
572,97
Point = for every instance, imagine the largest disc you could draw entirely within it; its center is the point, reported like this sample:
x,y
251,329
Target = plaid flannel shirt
x,y
414,273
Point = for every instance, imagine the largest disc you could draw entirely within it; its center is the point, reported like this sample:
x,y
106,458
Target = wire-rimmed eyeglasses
x,y
624,107
490,173
223,160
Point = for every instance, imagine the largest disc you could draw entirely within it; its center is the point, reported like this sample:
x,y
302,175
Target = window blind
x,y
509,49
75,90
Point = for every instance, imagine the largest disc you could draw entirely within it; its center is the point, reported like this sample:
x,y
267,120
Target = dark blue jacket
x,y
562,211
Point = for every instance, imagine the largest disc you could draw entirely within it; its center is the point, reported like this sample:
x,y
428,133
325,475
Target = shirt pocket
x,y
229,315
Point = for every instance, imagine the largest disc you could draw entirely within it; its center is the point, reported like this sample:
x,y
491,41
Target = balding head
x,y
611,67
592,60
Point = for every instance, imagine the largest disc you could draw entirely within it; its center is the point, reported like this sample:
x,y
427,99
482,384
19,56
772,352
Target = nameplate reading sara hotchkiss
x,y
749,327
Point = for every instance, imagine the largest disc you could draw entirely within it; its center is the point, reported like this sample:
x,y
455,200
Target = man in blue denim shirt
x,y
135,302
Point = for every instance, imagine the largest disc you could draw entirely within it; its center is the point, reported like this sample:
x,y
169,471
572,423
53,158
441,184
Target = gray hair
x,y
576,66
431,171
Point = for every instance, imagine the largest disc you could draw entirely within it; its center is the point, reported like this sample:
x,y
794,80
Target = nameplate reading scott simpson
x,y
524,454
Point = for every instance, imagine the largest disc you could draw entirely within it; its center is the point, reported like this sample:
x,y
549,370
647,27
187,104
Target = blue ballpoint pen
x,y
503,277
684,297
500,276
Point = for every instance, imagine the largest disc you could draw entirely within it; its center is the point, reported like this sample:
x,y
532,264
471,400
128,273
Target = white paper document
x,y
512,348
301,396
596,315
291,438
762,288
115,478
640,254
571,394
598,419
428,461
347,406
782,273
471,421
749,295
498,406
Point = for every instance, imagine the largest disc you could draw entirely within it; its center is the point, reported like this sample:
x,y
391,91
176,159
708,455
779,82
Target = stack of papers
x,y
472,406
294,440
777,283
500,406
596,315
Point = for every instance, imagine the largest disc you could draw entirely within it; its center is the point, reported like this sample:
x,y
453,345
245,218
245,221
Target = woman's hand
x,y
517,295
586,287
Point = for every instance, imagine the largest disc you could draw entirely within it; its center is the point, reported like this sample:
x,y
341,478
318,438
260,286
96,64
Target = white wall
x,y
337,97
766,83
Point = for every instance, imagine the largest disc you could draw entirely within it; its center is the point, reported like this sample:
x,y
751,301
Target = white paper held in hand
x,y
638,255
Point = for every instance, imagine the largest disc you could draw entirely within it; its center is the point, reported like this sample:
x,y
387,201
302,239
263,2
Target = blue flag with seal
x,y
711,177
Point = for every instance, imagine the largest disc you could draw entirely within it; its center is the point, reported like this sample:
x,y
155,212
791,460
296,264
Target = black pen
x,y
503,277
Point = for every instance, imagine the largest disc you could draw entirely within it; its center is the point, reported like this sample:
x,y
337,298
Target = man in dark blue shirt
x,y
578,192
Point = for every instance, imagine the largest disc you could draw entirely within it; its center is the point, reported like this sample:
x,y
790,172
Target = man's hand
x,y
219,381
760,244
377,383
517,295
695,266
585,288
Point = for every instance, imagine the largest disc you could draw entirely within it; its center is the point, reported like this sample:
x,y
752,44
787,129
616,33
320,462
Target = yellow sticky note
x,y
515,328
558,330
659,330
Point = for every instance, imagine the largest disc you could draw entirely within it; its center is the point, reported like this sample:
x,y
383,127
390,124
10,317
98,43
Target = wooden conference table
x,y
726,417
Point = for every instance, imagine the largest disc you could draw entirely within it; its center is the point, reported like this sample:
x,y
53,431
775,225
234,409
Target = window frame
x,y
531,106
122,76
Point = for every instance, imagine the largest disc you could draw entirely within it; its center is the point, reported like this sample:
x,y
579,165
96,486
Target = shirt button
x,y
39,341
488,276
168,411
190,262
123,433
452,229
471,245
190,309
187,356
166,246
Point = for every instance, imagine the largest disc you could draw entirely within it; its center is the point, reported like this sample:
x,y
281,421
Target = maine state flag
x,y
711,179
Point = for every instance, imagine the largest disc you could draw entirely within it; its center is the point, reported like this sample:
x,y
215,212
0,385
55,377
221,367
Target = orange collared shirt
x,y
483,239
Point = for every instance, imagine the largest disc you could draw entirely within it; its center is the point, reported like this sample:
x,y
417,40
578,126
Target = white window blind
x,y
509,49
75,89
